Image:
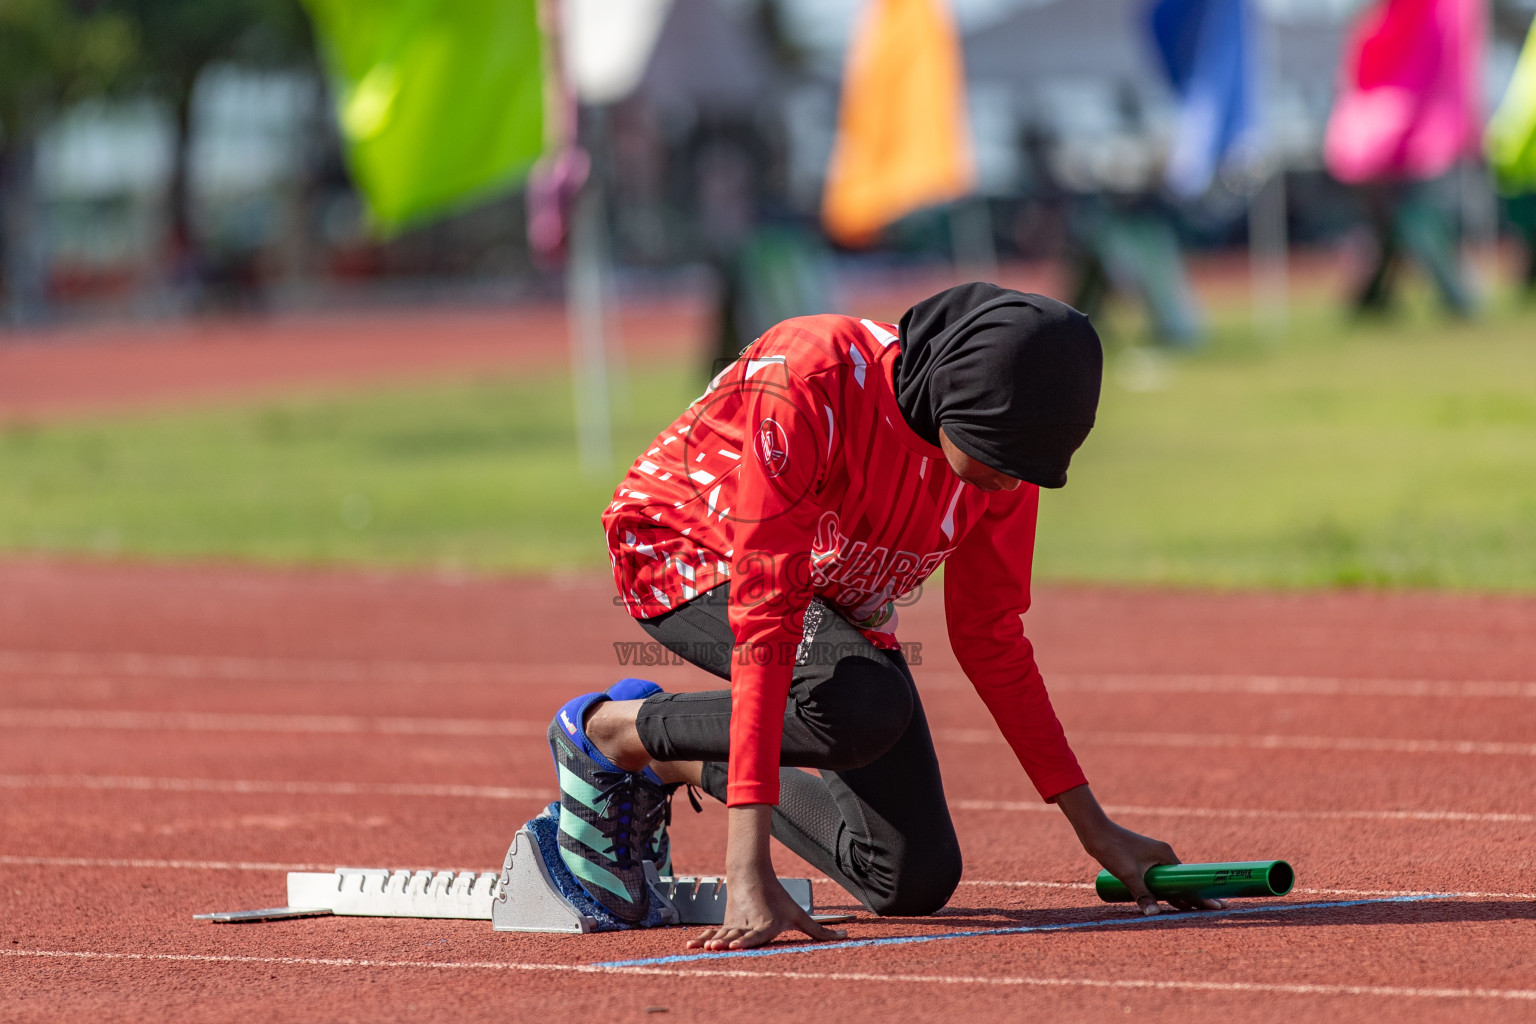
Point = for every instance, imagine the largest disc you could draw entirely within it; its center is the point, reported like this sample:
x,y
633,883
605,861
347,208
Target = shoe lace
x,y
665,806
659,812
661,809
617,792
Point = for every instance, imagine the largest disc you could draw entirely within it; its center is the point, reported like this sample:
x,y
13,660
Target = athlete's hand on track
x,y
755,913
757,908
1125,854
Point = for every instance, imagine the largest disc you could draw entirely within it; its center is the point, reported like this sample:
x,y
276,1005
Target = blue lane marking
x,y
907,940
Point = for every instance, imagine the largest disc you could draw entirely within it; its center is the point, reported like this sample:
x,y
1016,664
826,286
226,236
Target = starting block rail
x,y
521,897
379,892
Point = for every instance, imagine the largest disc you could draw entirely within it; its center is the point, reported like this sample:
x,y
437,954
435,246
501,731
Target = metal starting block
x,y
522,897
379,892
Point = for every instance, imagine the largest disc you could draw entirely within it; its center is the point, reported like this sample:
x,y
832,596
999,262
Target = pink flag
x,y
1409,104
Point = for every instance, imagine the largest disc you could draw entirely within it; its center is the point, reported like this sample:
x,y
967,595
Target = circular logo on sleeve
x,y
772,447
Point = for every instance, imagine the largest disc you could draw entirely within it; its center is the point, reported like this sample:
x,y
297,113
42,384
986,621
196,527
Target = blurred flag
x,y
903,141
1207,51
1409,104
441,102
608,43
1511,139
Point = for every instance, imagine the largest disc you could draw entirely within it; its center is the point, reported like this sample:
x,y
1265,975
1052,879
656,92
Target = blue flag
x,y
1207,50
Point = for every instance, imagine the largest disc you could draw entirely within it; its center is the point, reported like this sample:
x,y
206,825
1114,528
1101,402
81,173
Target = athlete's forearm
x,y
1088,819
1016,696
747,857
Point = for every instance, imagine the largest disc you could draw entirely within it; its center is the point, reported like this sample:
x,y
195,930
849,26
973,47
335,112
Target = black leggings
x,y
876,820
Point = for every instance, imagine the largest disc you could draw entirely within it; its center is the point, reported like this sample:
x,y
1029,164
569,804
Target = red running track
x,y
54,374
62,372
177,738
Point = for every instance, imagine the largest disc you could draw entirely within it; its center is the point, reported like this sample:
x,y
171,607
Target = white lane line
x,y
1013,884
1244,812
1020,884
144,864
175,785
1161,985
302,961
1269,742
451,790
1157,985
1313,686
208,721
221,667
201,721
205,668
150,864
1418,892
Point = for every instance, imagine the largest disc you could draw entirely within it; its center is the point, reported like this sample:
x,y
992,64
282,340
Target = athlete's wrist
x,y
746,851
1093,827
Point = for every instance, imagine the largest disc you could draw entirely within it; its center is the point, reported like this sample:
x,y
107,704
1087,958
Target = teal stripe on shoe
x,y
574,785
657,844
589,872
584,832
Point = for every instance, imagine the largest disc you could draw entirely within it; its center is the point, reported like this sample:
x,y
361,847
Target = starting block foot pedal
x,y
538,893
528,899
541,894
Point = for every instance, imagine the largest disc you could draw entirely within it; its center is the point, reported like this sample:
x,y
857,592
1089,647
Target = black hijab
x,y
1013,378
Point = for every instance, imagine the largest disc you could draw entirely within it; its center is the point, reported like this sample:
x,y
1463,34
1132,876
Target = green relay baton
x,y
1205,881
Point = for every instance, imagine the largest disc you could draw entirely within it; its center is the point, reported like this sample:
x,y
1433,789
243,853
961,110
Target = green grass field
x,y
1392,454
1398,454
472,475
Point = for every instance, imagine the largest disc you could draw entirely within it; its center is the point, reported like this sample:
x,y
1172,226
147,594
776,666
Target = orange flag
x,y
903,140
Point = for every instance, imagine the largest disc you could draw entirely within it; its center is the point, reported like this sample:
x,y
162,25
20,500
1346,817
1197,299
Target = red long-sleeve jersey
x,y
795,476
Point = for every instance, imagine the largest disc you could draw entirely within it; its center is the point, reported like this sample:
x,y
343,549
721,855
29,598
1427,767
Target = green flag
x,y
1511,138
441,102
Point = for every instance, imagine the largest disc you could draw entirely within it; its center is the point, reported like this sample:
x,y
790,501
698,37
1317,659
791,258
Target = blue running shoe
x,y
600,832
632,689
653,808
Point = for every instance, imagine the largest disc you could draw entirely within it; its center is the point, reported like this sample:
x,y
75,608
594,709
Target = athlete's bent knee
x,y
923,887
